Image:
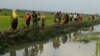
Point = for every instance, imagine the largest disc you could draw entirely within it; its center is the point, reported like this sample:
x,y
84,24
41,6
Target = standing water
x,y
81,43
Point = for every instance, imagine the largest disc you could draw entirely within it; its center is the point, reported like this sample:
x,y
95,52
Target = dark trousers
x,y
14,23
27,23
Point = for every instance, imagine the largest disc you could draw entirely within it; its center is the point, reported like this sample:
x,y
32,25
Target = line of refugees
x,y
39,18
66,18
61,18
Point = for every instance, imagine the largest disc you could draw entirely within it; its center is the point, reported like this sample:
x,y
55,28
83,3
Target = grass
x,y
10,39
5,23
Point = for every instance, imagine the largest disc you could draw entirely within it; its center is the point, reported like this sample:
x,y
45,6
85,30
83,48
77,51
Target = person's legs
x,y
16,23
12,24
75,19
43,23
27,23
56,20
70,19
33,21
59,20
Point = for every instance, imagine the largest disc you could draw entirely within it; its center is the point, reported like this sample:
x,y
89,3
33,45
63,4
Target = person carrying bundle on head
x,y
58,17
42,20
27,18
14,19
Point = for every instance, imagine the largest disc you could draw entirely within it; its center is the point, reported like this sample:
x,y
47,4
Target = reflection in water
x,y
76,34
64,39
70,35
67,45
12,52
40,46
68,48
26,52
98,48
34,50
56,42
92,28
96,28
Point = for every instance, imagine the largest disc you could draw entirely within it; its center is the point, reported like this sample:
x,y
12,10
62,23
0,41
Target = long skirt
x,y
14,23
27,22
42,22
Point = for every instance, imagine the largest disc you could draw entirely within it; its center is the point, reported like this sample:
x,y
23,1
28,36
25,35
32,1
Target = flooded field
x,y
85,42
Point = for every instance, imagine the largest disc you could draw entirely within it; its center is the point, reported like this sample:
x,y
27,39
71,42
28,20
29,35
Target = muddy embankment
x,y
8,38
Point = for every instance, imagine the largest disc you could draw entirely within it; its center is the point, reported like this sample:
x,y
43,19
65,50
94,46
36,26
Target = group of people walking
x,y
38,19
66,18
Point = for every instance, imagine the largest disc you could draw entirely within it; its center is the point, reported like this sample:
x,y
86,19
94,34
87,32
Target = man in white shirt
x,y
75,17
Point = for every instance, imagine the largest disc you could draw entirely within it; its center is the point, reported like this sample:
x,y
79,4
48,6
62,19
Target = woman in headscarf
x,y
27,18
14,19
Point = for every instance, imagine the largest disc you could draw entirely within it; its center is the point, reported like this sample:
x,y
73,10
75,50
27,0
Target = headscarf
x,y
14,14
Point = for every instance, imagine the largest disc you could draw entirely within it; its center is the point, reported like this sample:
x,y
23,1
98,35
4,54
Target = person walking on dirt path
x,y
90,18
75,17
43,17
38,19
93,17
58,17
34,18
80,18
71,17
27,18
14,19
66,19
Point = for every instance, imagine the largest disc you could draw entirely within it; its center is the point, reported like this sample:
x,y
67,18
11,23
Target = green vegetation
x,y
5,23
9,39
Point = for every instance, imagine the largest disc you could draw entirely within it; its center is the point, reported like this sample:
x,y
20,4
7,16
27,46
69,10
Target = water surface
x,y
81,43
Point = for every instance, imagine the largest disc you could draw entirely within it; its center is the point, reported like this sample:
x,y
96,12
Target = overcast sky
x,y
80,6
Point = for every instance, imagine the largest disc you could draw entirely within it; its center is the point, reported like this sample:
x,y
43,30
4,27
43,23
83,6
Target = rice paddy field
x,y
82,37
5,20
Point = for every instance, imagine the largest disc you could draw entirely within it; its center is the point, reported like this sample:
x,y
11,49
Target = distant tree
x,y
0,10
